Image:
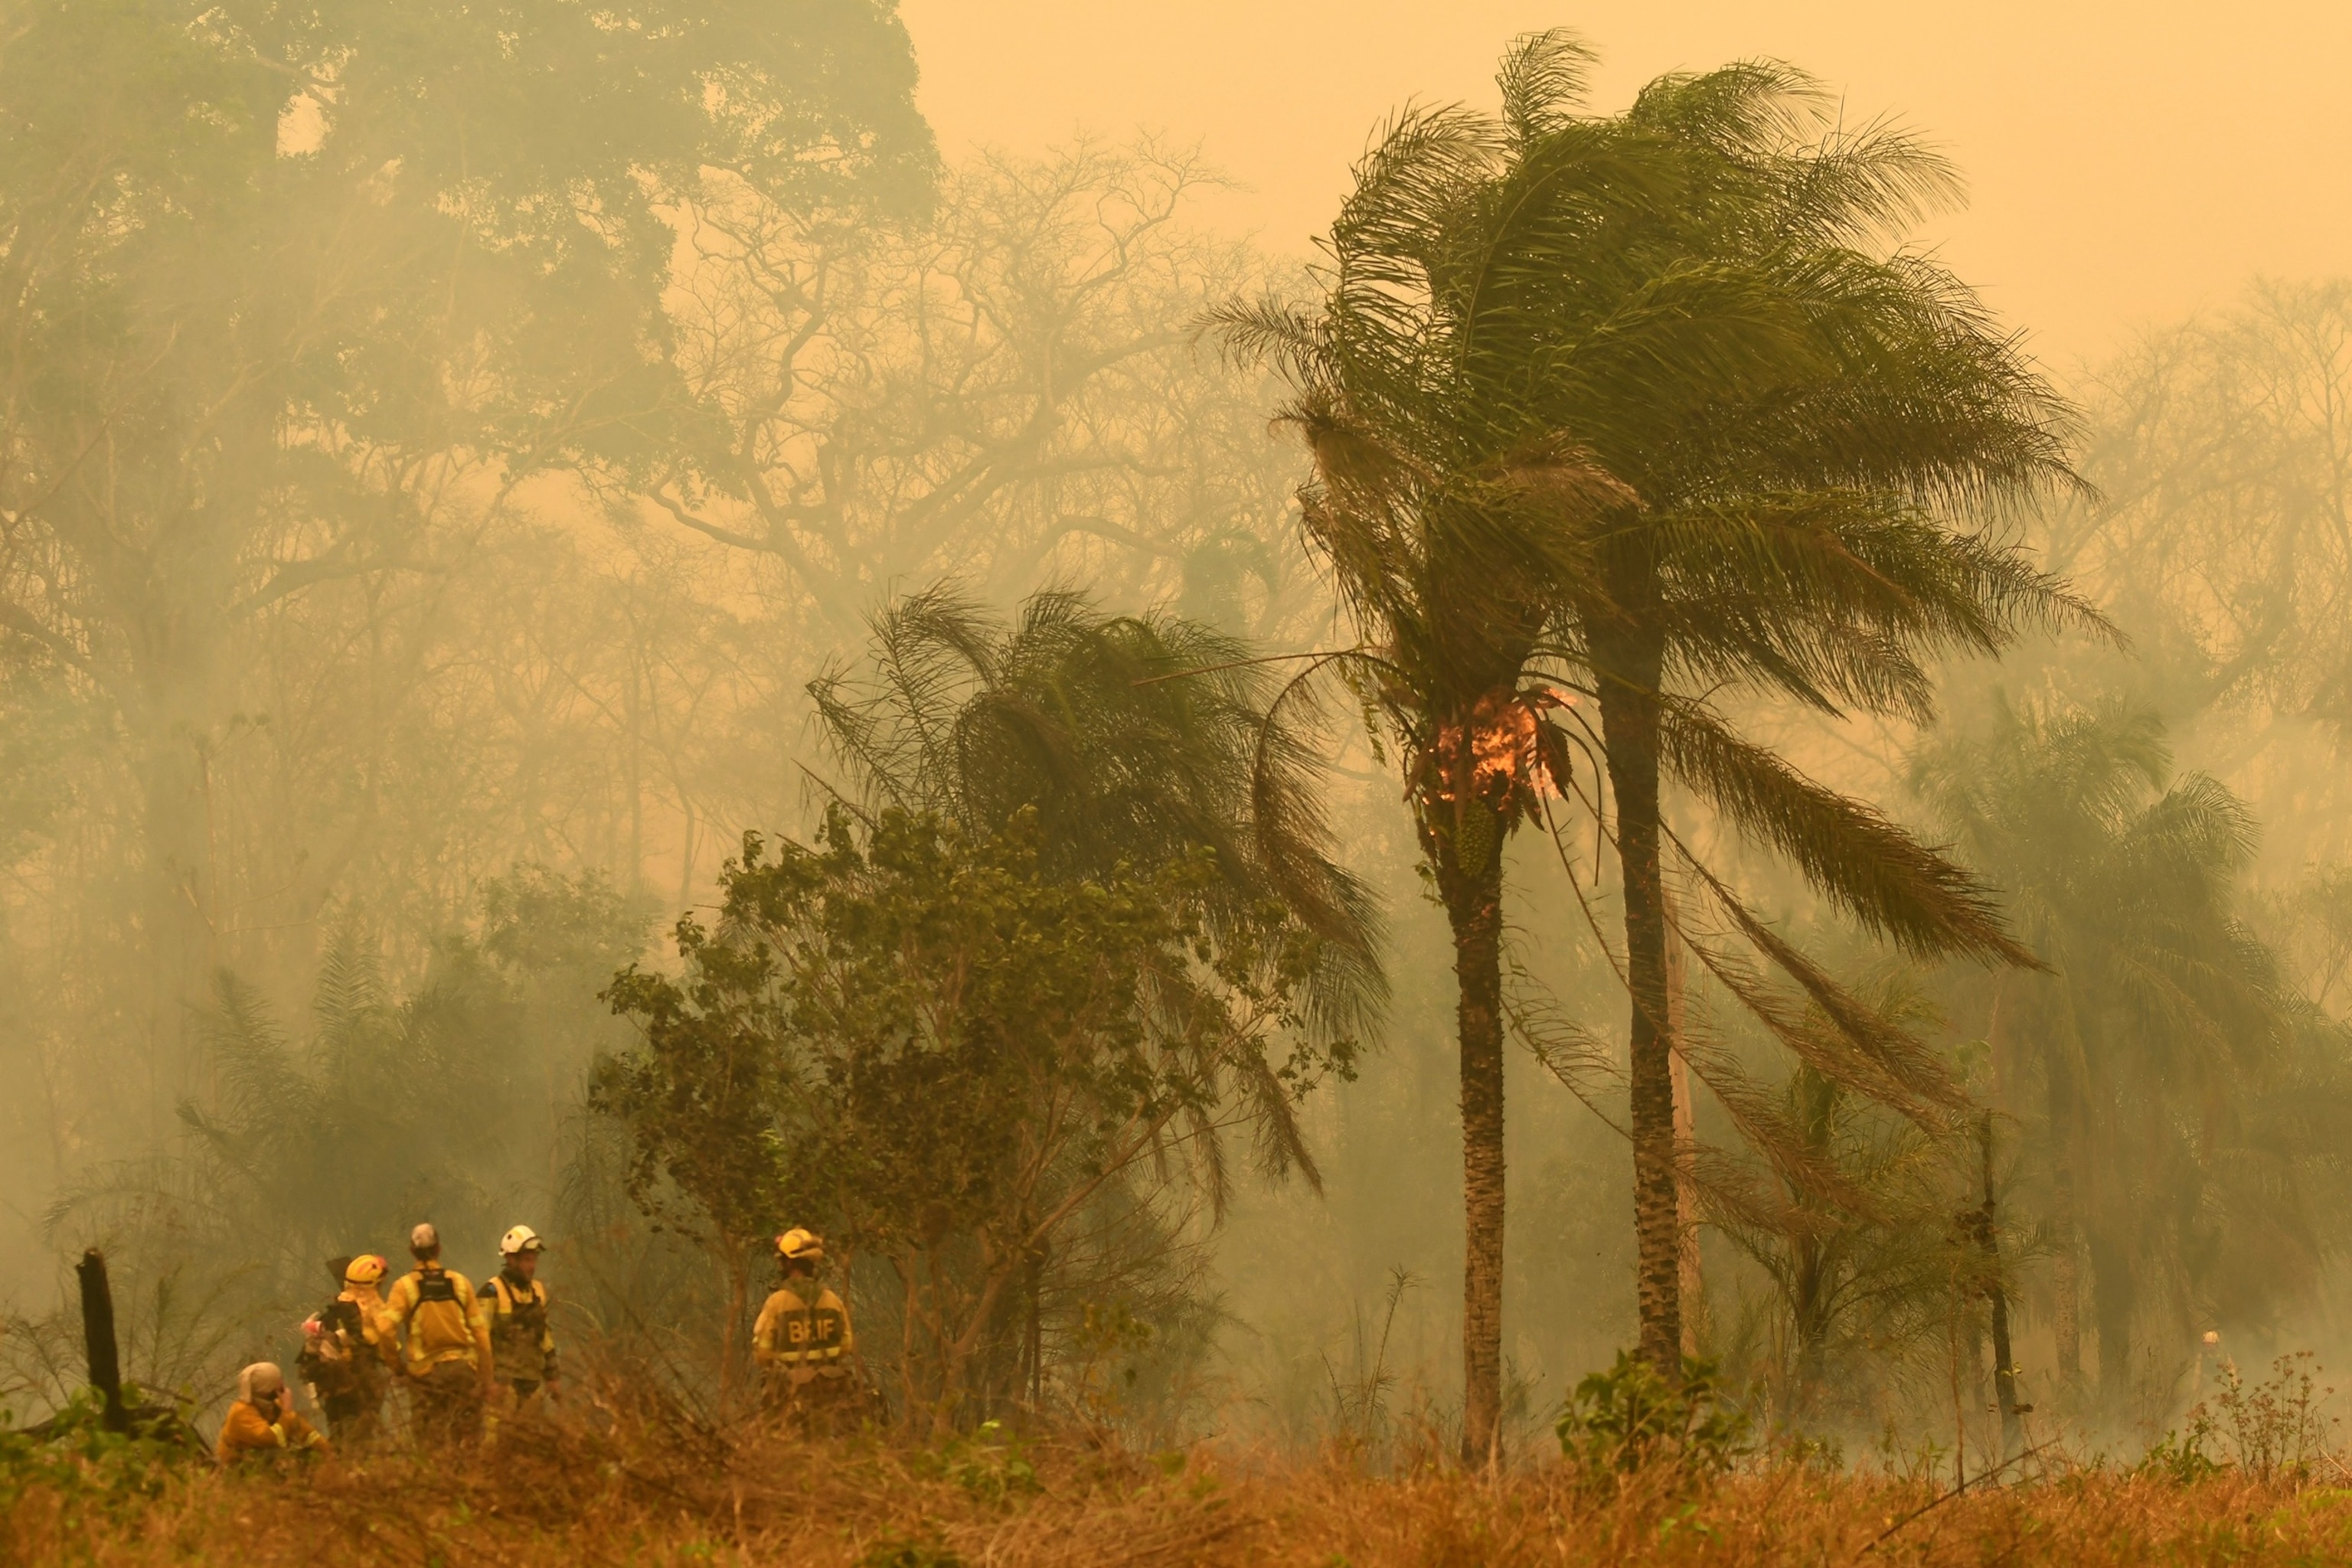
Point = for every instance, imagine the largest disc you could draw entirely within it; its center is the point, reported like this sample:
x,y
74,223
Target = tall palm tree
x,y
1644,408
2188,1098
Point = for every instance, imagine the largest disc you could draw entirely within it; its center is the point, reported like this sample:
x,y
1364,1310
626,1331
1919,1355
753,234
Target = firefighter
x,y
446,1352
346,1358
522,1339
264,1420
802,1340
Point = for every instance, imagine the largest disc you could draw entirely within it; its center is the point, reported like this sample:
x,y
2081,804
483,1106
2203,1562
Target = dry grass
x,y
662,1492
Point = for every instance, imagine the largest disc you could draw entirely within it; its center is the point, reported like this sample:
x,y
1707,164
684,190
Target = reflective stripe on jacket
x,y
792,1332
246,1431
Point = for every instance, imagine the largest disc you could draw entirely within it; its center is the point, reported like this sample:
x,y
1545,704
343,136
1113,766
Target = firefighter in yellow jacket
x,y
263,1420
802,1340
346,1359
522,1341
446,1350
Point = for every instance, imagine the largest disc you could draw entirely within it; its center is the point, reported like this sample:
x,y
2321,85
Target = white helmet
x,y
520,1239
260,1379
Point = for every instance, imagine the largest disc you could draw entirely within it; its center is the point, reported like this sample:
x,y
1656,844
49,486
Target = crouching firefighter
x,y
522,1341
804,1343
262,1422
345,1358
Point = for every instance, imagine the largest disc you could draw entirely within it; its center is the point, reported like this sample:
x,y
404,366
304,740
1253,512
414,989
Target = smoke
x,y
433,470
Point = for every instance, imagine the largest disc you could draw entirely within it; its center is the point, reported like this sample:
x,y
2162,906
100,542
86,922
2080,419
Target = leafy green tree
x,y
1645,407
701,1103
2191,1105
1138,746
953,1054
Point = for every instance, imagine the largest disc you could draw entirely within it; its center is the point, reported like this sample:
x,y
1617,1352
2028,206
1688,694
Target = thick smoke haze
x,y
2124,163
447,511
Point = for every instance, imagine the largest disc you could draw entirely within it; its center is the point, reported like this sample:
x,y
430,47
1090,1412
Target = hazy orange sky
x,y
2126,163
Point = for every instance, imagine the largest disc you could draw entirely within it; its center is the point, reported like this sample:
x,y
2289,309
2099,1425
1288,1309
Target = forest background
x,y
440,455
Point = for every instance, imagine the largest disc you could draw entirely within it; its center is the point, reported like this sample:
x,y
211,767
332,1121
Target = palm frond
x,y
1854,855
1543,77
1134,739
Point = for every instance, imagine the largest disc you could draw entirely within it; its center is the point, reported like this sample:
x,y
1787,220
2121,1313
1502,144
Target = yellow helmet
x,y
521,1239
799,1245
365,1270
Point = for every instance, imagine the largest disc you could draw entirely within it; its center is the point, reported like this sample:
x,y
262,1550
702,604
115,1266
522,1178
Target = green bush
x,y
989,1463
75,1455
2180,1457
2279,1427
1629,1417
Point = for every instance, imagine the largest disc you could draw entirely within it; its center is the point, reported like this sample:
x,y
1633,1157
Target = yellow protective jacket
x,y
369,1301
443,1320
793,1332
350,1354
247,1432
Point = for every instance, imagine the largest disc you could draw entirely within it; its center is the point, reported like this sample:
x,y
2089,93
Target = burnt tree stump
x,y
98,1338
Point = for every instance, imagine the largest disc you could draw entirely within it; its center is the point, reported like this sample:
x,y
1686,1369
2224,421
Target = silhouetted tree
x,y
284,290
2190,1099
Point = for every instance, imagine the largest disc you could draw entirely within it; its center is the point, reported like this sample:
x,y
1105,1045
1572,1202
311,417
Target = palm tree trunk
x,y
2113,1296
1811,1316
2066,1281
2004,1367
1691,1286
2065,1265
739,1307
1473,894
1628,665
175,781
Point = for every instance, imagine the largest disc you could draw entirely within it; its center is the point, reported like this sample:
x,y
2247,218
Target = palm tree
x,y
1642,407
1135,740
2188,1096
1843,1280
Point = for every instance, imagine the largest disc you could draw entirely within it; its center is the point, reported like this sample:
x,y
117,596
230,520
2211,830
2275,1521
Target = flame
x,y
1505,750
